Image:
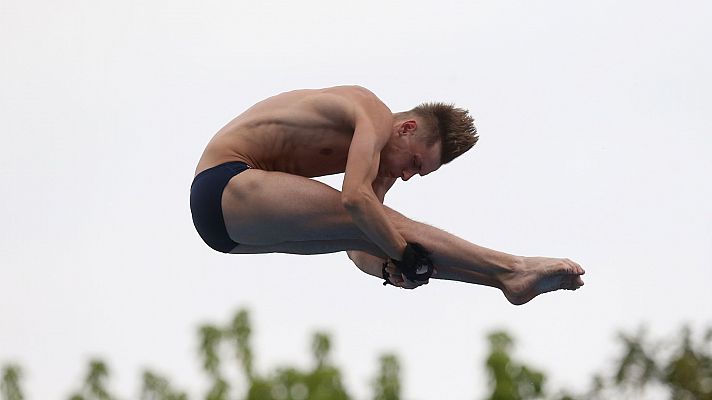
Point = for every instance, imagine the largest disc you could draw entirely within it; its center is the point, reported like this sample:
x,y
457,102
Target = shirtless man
x,y
252,192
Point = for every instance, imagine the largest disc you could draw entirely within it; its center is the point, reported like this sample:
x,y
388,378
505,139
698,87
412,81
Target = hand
x,y
396,277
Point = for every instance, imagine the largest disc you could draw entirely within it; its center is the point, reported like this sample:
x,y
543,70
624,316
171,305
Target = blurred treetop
x,y
679,367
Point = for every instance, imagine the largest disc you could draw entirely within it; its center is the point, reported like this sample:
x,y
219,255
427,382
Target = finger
x,y
408,285
406,280
418,283
402,282
414,284
396,283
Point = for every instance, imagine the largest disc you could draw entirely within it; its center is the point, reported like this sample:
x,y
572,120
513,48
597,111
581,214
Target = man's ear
x,y
408,127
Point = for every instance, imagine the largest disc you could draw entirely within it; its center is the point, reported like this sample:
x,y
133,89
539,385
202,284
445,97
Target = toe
x,y
573,282
579,269
575,267
570,284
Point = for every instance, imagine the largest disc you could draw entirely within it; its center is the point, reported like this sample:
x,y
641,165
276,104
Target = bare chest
x,y
323,153
316,151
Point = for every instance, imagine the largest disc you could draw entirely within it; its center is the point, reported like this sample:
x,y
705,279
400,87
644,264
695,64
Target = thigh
x,y
310,247
267,208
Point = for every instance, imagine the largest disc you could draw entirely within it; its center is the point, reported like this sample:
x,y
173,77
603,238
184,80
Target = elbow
x,y
352,200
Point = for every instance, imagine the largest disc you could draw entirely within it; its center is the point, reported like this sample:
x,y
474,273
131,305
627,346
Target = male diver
x,y
252,192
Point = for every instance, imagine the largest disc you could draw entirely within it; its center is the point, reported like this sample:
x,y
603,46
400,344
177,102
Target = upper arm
x,y
372,129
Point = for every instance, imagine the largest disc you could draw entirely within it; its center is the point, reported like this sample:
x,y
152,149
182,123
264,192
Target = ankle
x,y
509,267
508,263
516,264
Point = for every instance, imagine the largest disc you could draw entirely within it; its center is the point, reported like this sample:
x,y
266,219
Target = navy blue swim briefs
x,y
205,204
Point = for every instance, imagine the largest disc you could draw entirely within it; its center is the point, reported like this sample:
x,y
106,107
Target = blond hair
x,y
453,126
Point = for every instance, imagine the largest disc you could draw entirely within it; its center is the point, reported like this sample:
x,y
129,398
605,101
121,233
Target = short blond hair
x,y
454,127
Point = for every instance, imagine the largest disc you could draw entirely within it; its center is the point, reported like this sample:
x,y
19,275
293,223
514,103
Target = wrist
x,y
400,248
416,264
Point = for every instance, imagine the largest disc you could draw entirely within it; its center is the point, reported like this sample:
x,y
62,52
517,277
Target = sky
x,y
595,141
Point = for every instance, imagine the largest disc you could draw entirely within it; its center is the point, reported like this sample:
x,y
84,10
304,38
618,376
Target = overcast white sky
x,y
596,133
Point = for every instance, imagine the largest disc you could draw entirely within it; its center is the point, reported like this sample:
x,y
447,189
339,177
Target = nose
x,y
407,174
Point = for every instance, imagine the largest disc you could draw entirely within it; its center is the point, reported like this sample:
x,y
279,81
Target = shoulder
x,y
358,91
363,98
359,104
357,96
366,106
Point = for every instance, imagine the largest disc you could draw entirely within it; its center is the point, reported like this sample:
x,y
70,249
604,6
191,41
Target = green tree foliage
x,y
680,367
321,345
10,385
510,380
688,373
211,338
95,383
239,331
321,382
156,387
387,384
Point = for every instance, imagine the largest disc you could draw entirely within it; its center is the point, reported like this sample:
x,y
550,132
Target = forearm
x,y
370,217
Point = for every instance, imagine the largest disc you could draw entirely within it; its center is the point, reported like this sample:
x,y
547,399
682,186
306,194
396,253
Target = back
x,y
303,132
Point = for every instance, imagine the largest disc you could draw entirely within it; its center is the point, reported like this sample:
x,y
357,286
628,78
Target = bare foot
x,y
537,275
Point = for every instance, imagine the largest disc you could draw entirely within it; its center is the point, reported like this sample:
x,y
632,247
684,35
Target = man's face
x,y
406,154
